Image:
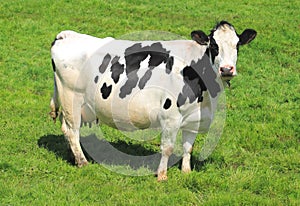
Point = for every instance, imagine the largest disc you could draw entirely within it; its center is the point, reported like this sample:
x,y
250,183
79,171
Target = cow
x,y
131,85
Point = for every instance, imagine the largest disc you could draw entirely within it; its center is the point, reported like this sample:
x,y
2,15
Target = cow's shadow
x,y
58,145
118,153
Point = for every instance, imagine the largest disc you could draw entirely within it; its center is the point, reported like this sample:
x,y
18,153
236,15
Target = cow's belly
x,y
138,108
135,113
138,111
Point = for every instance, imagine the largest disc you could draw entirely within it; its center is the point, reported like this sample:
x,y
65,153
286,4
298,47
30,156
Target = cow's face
x,y
223,47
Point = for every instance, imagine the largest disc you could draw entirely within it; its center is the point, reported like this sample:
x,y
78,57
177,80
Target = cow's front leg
x,y
168,139
188,140
166,151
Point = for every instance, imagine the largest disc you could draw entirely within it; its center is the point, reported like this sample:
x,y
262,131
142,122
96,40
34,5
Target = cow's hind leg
x,y
71,112
72,136
188,139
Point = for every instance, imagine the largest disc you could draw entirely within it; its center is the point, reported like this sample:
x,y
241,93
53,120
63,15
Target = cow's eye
x,y
214,49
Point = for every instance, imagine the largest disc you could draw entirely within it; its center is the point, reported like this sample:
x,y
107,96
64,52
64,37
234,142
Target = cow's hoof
x,y
162,176
53,115
82,164
186,170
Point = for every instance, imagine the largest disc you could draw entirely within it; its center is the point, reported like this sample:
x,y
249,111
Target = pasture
x,y
257,160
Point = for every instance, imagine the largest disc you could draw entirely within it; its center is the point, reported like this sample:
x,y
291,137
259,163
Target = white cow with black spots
x,y
130,85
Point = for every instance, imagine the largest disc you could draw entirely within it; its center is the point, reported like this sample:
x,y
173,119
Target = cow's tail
x,y
54,103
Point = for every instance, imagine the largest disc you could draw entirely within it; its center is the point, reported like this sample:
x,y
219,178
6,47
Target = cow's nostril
x,y
225,69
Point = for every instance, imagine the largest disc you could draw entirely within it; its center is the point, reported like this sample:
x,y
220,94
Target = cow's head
x,y
223,47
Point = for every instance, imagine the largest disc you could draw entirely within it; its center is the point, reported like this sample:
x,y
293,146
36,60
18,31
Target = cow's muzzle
x,y
227,71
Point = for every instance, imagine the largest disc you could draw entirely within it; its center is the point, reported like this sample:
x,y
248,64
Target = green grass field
x,y
257,161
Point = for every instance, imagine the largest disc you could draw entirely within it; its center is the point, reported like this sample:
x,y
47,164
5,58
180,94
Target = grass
x,y
257,161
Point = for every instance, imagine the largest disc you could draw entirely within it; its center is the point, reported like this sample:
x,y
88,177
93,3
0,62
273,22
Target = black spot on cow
x,y
145,78
96,79
134,55
157,54
193,87
181,99
105,90
129,85
213,48
167,104
169,65
52,44
104,63
116,69
198,77
53,65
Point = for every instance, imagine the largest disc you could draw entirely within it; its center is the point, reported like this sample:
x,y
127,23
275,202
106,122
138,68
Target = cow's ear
x,y
200,37
247,36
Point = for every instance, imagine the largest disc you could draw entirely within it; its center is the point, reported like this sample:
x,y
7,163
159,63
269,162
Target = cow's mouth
x,y
227,77
227,74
